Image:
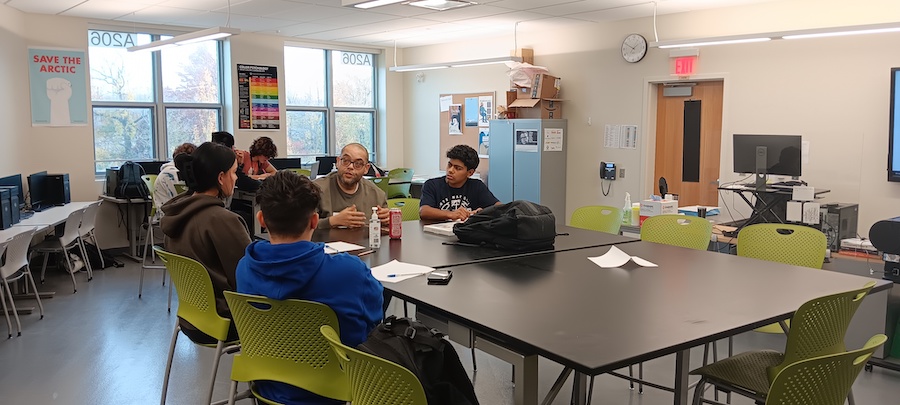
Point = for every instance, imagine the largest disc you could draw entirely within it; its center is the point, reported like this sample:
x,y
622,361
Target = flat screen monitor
x,y
36,190
326,163
769,154
285,163
894,129
15,181
153,167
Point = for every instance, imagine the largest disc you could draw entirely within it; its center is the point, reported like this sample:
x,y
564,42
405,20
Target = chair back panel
x,y
373,380
399,190
89,220
409,207
677,230
305,172
819,325
382,183
790,244
823,380
16,253
150,182
280,341
71,231
196,297
599,218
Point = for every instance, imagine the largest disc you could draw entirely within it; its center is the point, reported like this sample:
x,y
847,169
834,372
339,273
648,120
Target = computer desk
x,y
776,196
132,222
563,307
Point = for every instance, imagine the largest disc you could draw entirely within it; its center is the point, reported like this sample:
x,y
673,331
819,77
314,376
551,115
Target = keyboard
x,y
26,214
792,183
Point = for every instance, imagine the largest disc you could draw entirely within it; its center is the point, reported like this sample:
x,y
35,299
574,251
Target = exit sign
x,y
685,66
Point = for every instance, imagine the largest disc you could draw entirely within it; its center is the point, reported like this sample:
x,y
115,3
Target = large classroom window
x,y
146,103
330,100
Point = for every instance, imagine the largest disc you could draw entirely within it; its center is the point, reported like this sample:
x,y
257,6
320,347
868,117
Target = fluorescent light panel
x,y
369,4
796,34
441,5
189,38
475,62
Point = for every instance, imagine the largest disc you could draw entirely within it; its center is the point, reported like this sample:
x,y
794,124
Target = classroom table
x,y
133,223
591,320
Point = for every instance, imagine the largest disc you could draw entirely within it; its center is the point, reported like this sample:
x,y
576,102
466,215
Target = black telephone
x,y
607,170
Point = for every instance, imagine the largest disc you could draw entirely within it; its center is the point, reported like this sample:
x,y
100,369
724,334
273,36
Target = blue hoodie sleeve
x,y
371,296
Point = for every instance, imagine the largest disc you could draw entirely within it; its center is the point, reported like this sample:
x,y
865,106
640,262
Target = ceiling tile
x,y
43,7
586,6
263,8
202,5
528,4
505,20
356,19
465,13
245,23
162,15
300,29
314,13
104,9
615,14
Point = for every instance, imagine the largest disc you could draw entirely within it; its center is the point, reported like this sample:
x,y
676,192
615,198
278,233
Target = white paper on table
x,y
339,247
394,271
617,258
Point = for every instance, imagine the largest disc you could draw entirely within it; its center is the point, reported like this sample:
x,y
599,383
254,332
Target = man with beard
x,y
347,200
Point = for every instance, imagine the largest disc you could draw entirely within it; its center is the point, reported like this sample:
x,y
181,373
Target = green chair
x,y
382,183
197,305
403,175
373,380
819,328
180,188
677,230
599,218
790,244
408,206
149,239
280,341
305,172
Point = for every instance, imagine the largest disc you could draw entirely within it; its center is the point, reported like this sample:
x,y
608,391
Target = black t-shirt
x,y
473,194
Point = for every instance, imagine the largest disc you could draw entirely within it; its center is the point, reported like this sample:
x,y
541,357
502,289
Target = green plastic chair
x,y
599,218
280,341
790,244
373,380
180,188
819,328
677,230
382,183
152,221
197,305
408,206
399,190
305,172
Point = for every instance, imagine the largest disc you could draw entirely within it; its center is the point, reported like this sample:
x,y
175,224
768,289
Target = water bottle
x,y
374,230
626,211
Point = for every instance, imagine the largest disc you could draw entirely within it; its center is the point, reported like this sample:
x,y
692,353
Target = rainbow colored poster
x,y
258,97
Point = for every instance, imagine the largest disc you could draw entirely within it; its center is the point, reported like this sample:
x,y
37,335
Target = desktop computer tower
x,y
13,203
56,189
843,218
5,209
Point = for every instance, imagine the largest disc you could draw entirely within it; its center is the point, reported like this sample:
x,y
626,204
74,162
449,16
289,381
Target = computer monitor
x,y
285,163
36,188
153,167
15,181
326,163
768,154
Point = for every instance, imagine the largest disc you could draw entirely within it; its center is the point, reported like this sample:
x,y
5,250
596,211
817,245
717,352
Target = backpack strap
x,y
414,331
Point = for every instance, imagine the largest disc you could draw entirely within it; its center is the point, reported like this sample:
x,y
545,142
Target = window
x,y
330,100
147,103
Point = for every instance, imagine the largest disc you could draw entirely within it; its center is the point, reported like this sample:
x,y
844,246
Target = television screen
x,y
893,141
326,163
15,181
776,154
153,167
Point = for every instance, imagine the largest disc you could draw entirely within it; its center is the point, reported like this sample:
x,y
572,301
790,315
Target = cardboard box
x,y
523,92
537,108
545,86
650,208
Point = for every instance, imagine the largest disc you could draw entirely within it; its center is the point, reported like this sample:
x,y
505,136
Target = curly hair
x,y
287,201
465,154
186,147
263,146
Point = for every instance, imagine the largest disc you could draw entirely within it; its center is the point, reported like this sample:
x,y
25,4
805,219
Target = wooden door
x,y
677,155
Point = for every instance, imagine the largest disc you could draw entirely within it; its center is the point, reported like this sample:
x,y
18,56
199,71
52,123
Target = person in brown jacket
x,y
197,225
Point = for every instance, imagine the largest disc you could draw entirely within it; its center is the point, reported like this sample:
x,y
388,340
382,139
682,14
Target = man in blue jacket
x,y
289,266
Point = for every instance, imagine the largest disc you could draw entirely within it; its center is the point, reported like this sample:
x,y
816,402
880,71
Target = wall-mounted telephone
x,y
607,170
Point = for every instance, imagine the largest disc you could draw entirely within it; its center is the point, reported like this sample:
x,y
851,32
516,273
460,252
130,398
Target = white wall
x,y
832,91
13,109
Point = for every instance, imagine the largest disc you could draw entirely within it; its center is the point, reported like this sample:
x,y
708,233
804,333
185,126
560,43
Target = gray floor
x,y
103,345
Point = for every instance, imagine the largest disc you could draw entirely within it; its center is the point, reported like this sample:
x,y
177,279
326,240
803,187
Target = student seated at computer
x,y
164,188
347,199
197,225
255,162
455,196
290,266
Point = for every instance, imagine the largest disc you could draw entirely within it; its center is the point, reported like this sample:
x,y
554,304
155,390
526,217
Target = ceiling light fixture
x,y
474,62
735,39
441,5
366,4
834,32
189,38
768,36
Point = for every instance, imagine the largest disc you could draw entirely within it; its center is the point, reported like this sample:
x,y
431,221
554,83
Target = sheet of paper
x,y
394,271
611,136
617,258
339,247
553,139
628,137
445,103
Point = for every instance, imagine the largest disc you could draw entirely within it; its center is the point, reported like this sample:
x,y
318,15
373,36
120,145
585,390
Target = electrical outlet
x,y
621,173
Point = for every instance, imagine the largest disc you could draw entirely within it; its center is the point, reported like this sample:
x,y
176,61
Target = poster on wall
x,y
455,114
484,142
58,87
526,140
471,111
258,97
485,110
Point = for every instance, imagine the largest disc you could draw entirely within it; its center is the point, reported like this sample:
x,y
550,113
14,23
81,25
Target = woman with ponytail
x,y
197,225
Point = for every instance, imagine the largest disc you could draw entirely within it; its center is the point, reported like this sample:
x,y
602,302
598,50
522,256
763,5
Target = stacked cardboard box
x,y
538,101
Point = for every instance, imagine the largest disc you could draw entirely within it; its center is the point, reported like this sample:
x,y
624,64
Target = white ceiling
x,y
380,26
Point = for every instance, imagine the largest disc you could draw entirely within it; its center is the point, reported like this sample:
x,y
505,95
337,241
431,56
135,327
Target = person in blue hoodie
x,y
290,266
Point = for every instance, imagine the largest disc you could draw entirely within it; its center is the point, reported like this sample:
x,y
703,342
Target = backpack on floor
x,y
423,351
129,182
519,225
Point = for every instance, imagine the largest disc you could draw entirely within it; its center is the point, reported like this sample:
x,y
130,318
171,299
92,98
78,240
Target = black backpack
x,y
423,351
129,183
518,225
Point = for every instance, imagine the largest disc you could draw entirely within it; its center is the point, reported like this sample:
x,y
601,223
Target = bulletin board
x,y
468,134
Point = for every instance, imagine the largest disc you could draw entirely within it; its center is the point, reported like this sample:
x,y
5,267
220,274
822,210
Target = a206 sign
x,y
356,59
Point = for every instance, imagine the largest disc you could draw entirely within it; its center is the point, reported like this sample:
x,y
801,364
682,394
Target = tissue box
x,y
650,208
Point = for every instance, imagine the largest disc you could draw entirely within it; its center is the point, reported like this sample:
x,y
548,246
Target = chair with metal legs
x,y
16,267
70,239
86,230
152,222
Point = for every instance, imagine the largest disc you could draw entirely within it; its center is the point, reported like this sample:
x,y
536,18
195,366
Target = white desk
x,y
132,222
53,216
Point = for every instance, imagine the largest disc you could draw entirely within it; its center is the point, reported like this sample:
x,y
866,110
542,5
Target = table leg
x,y
525,370
682,368
579,389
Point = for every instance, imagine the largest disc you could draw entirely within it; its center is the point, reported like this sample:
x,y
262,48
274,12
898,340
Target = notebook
x,y
442,228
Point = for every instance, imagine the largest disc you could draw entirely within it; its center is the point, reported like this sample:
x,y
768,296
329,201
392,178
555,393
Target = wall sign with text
x,y
258,97
58,87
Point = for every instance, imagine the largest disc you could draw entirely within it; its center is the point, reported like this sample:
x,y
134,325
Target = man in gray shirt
x,y
347,199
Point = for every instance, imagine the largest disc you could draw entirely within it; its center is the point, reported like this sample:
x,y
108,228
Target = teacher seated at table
x,y
198,226
455,196
347,199
290,266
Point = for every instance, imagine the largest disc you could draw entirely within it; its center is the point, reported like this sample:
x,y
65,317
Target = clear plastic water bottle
x,y
374,230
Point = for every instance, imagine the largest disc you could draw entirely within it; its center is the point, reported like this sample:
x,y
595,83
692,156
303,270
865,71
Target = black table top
x,y
420,247
567,309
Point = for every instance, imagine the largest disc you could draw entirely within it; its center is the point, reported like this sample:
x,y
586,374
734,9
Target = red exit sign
x,y
685,66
